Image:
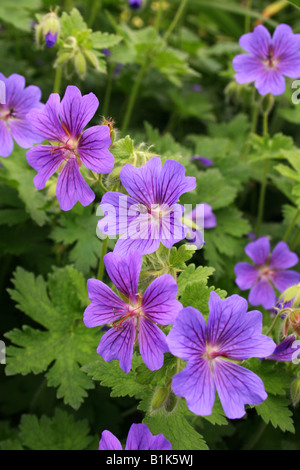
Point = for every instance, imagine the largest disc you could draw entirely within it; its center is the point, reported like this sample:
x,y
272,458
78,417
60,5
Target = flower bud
x,y
159,397
80,64
135,4
295,391
267,103
48,29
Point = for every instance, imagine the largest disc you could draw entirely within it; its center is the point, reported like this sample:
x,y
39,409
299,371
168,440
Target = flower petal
x,y
246,275
284,41
247,67
124,272
152,344
257,43
23,133
284,279
6,141
45,159
105,307
187,338
71,187
93,149
144,246
262,293
109,442
46,122
258,250
159,300
174,183
237,387
282,257
140,438
271,81
118,343
287,350
142,183
120,210
76,110
195,383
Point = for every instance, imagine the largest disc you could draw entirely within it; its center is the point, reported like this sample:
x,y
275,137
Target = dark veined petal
x,y
159,300
237,387
152,344
124,272
93,149
71,187
174,183
6,141
109,442
105,307
118,343
195,383
187,339
287,350
45,159
76,110
140,438
257,43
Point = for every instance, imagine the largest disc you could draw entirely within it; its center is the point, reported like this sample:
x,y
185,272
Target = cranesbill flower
x,y
211,351
134,317
269,59
150,214
287,350
15,102
135,4
269,271
62,123
50,39
205,161
139,438
195,236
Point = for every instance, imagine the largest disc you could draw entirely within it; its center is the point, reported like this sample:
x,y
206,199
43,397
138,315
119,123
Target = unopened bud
x,y
80,64
295,391
159,397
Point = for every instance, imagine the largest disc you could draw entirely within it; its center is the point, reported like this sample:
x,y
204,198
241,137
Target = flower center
x,y
5,114
270,62
211,352
266,273
156,211
134,311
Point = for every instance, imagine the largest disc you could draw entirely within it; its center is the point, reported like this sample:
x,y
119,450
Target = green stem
x,y
101,262
247,17
94,10
108,90
57,79
261,203
291,226
296,240
175,20
273,324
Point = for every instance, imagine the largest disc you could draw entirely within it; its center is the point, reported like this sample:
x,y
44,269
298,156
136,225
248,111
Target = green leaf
x,y
179,256
72,23
62,432
275,377
197,295
110,375
176,428
275,410
104,40
17,173
192,274
295,2
77,228
18,13
65,343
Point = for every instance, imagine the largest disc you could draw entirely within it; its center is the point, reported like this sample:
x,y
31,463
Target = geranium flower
x,y
268,271
287,350
133,317
211,351
205,161
139,438
62,123
135,4
150,214
14,123
269,59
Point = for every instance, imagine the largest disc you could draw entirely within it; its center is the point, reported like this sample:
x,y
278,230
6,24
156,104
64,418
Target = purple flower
x,y
50,39
268,271
106,52
211,351
150,214
135,4
203,160
197,88
202,216
287,350
139,438
269,59
15,102
134,317
62,123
